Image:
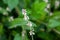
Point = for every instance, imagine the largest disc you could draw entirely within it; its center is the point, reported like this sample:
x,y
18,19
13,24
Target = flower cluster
x,y
27,19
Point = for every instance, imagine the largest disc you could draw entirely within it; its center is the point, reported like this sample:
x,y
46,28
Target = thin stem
x,y
56,31
32,37
17,10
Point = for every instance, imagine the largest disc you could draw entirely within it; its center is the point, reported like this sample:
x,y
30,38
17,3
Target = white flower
x,y
5,13
45,1
51,13
32,33
48,6
23,33
29,24
8,9
46,10
26,18
56,4
11,18
24,11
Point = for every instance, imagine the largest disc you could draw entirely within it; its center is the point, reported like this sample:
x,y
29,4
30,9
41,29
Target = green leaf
x,y
56,15
3,37
11,3
46,36
53,23
39,6
5,1
17,37
38,11
1,29
3,11
58,28
17,22
14,32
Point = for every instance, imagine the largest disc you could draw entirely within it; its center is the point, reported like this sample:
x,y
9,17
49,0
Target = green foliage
x,y
17,37
54,21
1,29
38,10
14,25
17,22
11,3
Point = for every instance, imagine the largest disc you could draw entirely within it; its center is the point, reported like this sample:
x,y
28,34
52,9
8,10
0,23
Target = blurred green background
x,y
29,19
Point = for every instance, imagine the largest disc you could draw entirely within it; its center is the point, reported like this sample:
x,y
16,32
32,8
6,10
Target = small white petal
x,y
30,32
51,13
46,10
8,9
48,6
26,17
29,24
11,19
24,11
33,33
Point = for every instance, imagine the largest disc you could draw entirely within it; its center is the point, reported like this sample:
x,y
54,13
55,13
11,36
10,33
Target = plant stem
x,y
32,37
56,31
